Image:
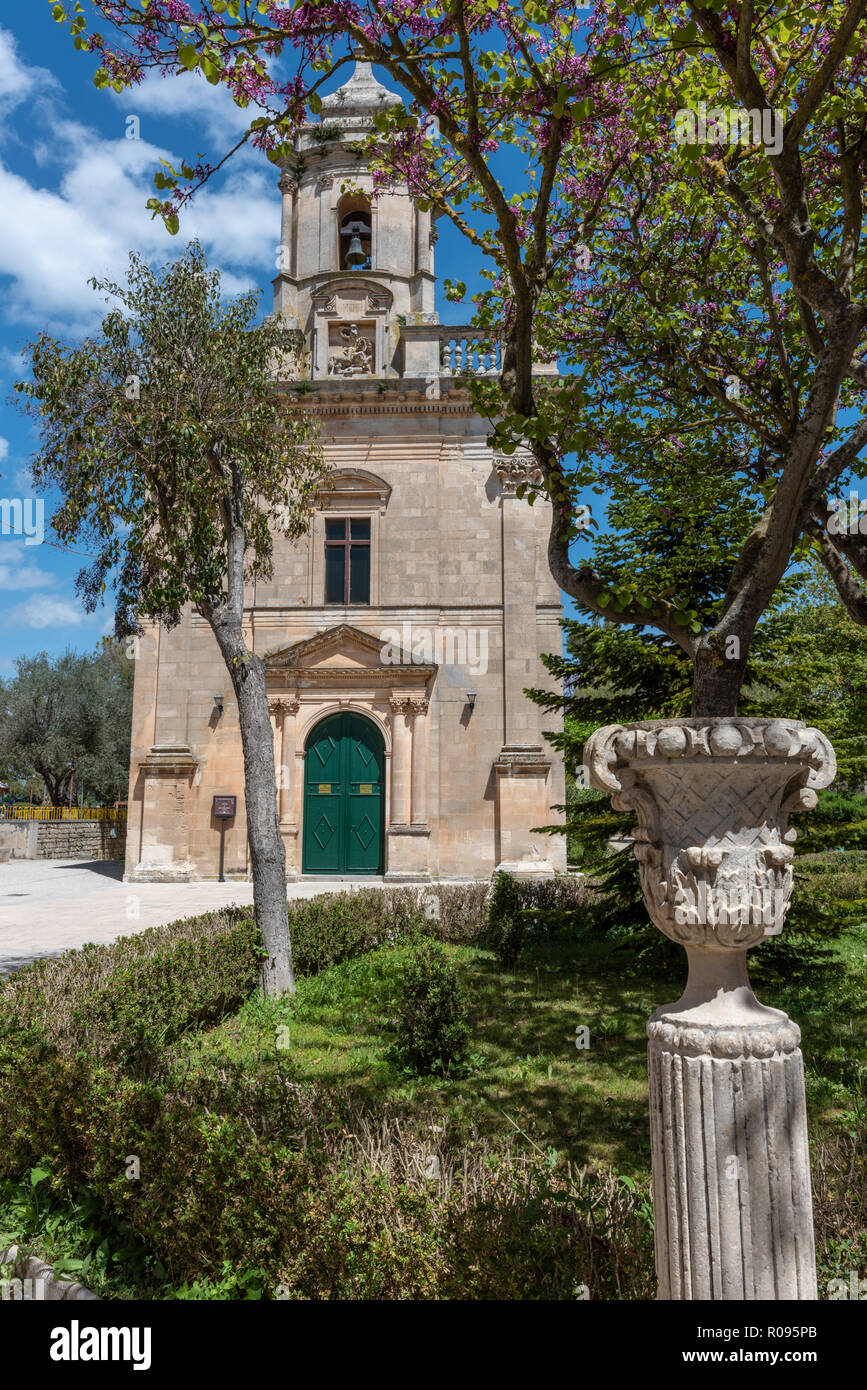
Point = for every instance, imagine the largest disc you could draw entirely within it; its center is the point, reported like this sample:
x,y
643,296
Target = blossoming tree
x,y
706,290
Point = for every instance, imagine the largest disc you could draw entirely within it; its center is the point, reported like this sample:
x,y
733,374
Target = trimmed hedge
x,y
126,1002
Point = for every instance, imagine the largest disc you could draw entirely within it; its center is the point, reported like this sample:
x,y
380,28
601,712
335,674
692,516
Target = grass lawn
x,y
524,1073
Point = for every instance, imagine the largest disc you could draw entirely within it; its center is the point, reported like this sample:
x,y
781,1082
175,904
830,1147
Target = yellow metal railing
x,y
62,813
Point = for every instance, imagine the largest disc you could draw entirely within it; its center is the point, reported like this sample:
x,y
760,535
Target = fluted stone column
x,y
418,714
288,713
401,769
731,1173
288,188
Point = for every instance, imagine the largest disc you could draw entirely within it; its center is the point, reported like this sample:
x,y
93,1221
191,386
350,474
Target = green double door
x,y
344,802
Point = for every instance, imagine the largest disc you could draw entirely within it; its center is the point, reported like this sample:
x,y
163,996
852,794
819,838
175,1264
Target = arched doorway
x,y
344,797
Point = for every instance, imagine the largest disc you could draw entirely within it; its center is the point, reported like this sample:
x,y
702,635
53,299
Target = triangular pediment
x,y
343,648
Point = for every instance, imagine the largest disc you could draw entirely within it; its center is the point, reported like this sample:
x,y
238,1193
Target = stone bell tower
x,y
354,270
399,633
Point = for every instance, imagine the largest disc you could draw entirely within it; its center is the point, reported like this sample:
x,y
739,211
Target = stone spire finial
x,y
362,94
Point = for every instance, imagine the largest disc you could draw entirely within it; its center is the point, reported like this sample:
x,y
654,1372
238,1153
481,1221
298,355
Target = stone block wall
x,y
81,839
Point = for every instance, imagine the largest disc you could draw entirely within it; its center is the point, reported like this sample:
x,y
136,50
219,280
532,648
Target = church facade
x,y
399,634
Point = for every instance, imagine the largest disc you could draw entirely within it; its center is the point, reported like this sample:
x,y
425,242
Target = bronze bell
x,y
356,254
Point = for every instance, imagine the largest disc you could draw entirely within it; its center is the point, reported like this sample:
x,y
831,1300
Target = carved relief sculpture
x,y
355,357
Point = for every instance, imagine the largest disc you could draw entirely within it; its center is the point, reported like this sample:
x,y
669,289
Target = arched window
x,y
354,233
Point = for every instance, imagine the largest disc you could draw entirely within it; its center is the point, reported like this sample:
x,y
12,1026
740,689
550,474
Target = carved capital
x,y
513,471
284,704
286,183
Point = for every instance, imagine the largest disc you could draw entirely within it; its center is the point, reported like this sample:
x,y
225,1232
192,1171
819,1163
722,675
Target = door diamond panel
x,y
344,802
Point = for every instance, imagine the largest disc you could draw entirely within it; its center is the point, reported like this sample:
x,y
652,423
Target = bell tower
x,y
354,270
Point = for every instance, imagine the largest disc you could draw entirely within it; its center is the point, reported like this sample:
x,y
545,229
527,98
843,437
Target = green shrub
x,y
432,1018
522,914
505,934
336,926
838,821
126,1002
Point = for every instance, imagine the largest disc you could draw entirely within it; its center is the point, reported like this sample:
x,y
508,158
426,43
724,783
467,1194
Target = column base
x,y
162,873
526,868
408,854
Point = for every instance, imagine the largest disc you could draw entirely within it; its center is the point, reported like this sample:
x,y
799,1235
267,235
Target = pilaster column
x,y
276,717
288,188
418,714
401,769
289,710
520,643
422,240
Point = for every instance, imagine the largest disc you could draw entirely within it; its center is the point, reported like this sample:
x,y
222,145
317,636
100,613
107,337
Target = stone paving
x,y
51,906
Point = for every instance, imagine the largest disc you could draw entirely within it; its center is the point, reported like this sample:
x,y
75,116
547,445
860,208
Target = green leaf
x,y
314,101
38,1175
188,56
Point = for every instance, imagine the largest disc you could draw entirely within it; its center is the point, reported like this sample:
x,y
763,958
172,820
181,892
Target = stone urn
x,y
731,1171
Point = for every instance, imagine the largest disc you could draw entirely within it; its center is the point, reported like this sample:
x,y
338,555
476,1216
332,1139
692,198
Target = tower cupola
x,y
354,265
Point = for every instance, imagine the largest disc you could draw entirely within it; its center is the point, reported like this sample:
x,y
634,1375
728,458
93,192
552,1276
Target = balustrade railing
x,y
468,352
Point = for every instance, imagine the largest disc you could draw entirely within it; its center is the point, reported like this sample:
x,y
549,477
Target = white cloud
x,y
51,241
18,82
12,364
187,96
26,576
18,567
4,448
44,610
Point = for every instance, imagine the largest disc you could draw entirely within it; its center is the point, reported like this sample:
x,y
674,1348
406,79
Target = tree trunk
x,y
716,683
267,853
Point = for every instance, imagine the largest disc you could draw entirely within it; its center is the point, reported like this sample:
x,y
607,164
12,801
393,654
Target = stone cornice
x,y
518,760
406,402
170,757
318,677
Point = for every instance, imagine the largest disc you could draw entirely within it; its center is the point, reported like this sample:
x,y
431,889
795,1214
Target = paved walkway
x,y
48,906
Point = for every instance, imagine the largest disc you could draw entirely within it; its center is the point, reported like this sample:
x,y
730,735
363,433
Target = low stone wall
x,y
81,839
19,838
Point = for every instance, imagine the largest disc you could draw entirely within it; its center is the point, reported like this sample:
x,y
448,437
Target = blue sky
x,y
73,190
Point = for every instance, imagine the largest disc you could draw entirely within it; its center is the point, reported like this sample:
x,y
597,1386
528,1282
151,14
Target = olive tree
x,y
176,461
